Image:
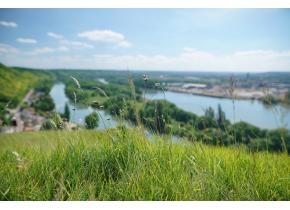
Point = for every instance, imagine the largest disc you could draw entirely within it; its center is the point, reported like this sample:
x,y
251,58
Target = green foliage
x,y
154,115
269,100
44,86
92,120
66,112
90,165
245,132
48,124
44,104
221,117
53,123
15,83
4,118
115,104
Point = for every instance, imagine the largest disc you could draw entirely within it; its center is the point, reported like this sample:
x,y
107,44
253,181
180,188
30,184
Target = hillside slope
x,y
123,165
15,83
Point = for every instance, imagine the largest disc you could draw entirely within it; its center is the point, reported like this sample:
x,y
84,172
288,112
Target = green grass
x,y
123,165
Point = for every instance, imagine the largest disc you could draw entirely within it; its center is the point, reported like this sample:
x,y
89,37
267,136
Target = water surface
x,y
78,115
251,111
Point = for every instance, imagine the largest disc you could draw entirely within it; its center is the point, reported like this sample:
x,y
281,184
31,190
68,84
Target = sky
x,y
243,40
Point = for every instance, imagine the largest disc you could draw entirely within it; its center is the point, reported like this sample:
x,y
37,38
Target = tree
x,y
221,116
209,118
45,104
92,120
209,112
66,112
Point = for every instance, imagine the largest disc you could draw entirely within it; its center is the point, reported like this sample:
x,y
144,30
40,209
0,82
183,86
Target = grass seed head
x,y
76,81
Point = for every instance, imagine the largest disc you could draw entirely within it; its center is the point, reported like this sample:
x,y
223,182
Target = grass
x,y
122,164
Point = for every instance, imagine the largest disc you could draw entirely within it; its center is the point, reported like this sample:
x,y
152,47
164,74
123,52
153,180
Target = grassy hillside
x,y
123,165
15,83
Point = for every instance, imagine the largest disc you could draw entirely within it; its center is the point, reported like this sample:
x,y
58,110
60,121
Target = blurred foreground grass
x,y
122,164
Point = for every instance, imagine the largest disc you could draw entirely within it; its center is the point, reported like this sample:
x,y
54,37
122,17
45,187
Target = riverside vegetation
x,y
216,160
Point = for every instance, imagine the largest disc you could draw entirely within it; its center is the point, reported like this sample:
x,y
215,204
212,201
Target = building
x,y
189,86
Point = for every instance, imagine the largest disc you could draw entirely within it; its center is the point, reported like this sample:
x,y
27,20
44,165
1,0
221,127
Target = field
x,y
121,164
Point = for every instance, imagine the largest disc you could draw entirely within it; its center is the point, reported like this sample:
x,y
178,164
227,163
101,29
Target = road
x,y
16,114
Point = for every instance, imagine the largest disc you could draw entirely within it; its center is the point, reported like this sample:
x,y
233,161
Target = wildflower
x,y
76,81
18,158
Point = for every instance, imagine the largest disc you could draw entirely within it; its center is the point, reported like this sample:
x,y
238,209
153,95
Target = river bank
x,y
237,94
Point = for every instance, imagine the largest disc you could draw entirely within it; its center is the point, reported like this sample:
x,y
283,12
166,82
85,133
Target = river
x,y
251,111
78,115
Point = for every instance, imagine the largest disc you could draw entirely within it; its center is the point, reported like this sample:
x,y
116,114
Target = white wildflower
x,y
18,158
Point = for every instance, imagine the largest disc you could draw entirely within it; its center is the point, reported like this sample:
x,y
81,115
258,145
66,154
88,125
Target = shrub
x,y
92,120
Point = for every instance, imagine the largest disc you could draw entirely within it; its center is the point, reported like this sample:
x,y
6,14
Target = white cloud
x,y
76,44
73,44
102,35
54,35
106,36
124,44
8,24
26,40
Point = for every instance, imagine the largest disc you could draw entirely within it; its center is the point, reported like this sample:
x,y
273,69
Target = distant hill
x,y
15,83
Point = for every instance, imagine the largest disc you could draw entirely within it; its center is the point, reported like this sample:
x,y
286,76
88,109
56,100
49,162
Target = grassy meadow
x,y
122,164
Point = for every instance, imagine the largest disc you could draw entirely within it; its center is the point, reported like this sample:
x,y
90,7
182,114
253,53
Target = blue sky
x,y
147,39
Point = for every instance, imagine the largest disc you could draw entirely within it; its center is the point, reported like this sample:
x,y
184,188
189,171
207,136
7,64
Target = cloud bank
x,y
189,59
